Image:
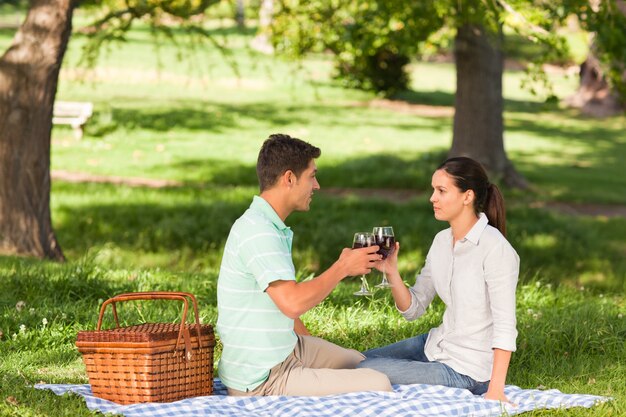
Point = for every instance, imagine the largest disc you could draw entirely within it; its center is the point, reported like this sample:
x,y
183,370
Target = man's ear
x,y
288,178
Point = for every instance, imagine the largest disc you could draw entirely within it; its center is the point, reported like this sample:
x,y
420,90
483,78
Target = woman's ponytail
x,y
494,208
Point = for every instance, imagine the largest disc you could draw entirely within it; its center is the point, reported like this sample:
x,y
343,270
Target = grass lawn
x,y
196,122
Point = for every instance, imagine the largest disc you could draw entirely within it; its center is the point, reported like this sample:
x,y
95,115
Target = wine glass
x,y
387,243
363,240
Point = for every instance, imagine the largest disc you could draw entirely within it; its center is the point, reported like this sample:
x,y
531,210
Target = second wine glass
x,y
386,240
363,240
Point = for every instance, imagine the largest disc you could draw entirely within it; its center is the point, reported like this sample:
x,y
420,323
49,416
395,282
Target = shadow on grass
x,y
578,152
196,222
8,30
23,277
582,164
68,292
564,335
568,337
205,116
574,158
444,98
431,98
384,170
219,172
195,115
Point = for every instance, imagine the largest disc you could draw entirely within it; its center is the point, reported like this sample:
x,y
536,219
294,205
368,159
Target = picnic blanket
x,y
405,400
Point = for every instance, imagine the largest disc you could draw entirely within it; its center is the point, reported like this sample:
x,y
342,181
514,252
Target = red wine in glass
x,y
363,240
387,245
387,242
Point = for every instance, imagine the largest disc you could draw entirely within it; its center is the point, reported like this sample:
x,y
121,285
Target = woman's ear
x,y
469,198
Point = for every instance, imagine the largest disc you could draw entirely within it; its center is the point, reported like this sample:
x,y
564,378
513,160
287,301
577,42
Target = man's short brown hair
x,y
281,153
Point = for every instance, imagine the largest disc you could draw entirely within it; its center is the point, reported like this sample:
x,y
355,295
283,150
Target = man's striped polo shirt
x,y
255,334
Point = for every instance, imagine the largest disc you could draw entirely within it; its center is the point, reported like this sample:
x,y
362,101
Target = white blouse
x,y
476,279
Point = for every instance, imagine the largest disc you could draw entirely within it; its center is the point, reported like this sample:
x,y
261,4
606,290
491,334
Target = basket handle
x,y
159,295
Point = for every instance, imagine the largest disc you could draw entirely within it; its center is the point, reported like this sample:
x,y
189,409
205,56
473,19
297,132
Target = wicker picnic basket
x,y
151,362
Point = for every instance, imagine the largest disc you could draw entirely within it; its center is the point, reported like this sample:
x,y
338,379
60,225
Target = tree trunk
x,y
594,96
240,14
478,124
29,72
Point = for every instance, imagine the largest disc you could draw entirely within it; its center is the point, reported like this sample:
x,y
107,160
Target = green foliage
x,y
204,130
372,41
608,23
569,339
12,5
114,18
604,20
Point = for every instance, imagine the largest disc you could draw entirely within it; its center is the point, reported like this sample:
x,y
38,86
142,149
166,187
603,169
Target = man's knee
x,y
376,381
351,359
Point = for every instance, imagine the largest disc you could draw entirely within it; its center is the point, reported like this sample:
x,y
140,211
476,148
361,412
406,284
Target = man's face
x,y
304,186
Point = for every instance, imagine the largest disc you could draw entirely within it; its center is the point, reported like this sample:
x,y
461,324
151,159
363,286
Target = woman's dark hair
x,y
281,153
470,175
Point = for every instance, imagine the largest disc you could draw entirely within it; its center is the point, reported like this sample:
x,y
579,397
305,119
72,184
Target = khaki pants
x,y
317,367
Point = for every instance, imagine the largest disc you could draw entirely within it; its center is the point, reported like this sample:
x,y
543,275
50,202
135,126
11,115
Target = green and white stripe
x,y
255,334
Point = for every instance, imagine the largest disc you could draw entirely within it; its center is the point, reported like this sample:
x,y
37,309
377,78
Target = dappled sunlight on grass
x,y
540,241
168,226
201,130
185,228
204,124
570,159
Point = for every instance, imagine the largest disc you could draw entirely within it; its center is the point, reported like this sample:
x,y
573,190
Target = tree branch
x,y
534,28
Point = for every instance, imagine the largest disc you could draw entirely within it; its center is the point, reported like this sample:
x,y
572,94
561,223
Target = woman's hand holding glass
x,y
400,292
385,238
389,268
390,264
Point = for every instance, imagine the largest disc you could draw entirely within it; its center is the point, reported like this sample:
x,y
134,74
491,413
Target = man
x,y
267,349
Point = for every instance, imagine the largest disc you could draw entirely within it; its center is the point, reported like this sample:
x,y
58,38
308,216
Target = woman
x,y
473,269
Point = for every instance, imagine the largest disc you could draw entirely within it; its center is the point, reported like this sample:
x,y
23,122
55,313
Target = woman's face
x,y
447,199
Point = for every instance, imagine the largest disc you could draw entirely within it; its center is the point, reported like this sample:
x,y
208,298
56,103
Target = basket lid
x,y
147,332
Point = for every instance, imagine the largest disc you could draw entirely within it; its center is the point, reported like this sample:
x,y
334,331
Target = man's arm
x,y
300,328
296,298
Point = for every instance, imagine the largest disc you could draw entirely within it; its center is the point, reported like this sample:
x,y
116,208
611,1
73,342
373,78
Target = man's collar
x,y
261,205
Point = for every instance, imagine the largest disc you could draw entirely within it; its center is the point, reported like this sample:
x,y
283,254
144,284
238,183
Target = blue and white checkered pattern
x,y
405,400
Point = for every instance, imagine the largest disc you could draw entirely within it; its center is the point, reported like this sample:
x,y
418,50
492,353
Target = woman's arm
x,y
411,302
399,291
501,274
501,359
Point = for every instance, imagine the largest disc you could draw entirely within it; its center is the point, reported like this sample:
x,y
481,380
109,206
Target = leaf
x,y
12,400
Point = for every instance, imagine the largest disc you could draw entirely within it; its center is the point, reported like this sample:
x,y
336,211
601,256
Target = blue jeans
x,y
405,363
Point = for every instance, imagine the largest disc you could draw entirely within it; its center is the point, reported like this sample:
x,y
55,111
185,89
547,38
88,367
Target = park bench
x,y
73,113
